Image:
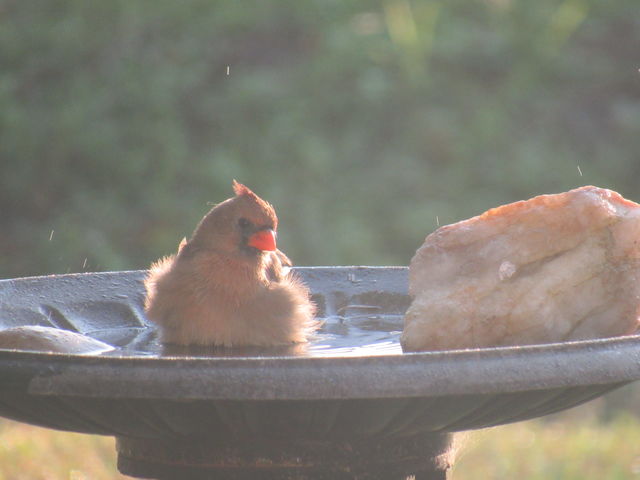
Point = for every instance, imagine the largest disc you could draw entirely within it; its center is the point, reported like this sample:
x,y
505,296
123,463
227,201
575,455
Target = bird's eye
x,y
243,223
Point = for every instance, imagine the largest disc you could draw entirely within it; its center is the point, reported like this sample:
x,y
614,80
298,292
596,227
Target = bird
x,y
229,285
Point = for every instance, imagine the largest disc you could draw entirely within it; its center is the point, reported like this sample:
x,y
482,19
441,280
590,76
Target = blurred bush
x,y
366,123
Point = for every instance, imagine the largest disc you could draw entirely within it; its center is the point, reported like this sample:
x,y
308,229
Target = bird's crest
x,y
240,189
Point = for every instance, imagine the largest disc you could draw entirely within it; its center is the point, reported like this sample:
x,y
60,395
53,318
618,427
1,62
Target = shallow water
x,y
357,334
361,335
361,309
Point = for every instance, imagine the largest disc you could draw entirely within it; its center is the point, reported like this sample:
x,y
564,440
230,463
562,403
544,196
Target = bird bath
x,y
349,405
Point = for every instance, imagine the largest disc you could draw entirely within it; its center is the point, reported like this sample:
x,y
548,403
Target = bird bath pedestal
x,y
350,405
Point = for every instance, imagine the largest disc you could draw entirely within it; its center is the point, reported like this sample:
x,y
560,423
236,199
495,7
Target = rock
x,y
48,339
549,269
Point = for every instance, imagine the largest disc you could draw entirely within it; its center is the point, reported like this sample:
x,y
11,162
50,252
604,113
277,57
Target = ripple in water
x,y
358,335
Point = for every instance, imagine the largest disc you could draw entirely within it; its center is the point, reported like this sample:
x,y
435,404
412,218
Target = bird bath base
x,y
425,456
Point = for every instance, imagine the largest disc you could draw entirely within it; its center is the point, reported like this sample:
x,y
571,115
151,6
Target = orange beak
x,y
263,240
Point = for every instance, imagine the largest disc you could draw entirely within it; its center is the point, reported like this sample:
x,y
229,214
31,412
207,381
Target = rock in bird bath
x,y
550,269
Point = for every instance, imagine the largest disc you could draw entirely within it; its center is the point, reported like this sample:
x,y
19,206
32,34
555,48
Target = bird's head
x,y
243,225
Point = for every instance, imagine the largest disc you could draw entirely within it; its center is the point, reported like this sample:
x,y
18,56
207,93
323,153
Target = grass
x,y
599,440
559,449
33,453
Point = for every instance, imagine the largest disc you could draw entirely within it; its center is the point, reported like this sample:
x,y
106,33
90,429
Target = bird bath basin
x,y
349,405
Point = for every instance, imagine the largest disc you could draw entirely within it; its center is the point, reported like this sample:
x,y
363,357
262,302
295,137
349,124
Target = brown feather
x,y
217,291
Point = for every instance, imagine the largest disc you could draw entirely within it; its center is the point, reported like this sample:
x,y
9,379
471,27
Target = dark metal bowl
x,y
352,383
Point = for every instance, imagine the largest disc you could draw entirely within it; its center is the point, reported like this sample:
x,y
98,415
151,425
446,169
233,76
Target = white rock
x,y
49,339
553,268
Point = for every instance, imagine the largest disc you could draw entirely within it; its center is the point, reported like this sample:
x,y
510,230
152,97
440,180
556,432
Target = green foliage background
x,y
364,122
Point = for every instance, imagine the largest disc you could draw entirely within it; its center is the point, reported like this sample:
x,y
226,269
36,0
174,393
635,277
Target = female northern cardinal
x,y
227,285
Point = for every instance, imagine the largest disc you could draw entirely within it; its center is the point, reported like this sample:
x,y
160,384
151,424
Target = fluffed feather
x,y
218,290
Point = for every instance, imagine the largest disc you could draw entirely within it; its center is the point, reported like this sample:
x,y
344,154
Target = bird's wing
x,y
277,266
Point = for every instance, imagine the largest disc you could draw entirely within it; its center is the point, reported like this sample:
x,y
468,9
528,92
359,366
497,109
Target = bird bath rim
x,y
424,374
